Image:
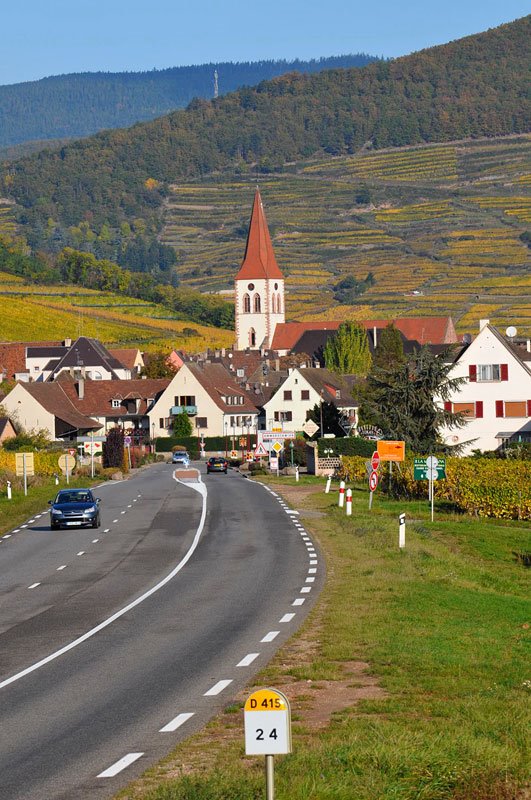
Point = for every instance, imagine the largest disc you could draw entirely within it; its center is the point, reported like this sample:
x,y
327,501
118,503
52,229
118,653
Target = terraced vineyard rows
x,y
53,312
444,221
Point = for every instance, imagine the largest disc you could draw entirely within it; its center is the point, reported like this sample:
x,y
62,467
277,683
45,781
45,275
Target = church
x,y
260,306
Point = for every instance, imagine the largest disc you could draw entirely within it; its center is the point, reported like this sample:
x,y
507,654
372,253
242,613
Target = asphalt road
x,y
117,643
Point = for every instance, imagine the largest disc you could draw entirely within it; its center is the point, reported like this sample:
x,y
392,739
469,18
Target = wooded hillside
x,y
76,105
477,86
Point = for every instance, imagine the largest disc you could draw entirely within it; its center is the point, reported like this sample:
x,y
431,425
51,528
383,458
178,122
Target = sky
x,y
60,36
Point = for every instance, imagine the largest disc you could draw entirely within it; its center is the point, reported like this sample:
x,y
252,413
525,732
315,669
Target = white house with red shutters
x,y
496,396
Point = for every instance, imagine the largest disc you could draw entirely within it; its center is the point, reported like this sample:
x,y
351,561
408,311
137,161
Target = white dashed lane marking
x,y
115,520
94,541
81,553
7,536
248,659
270,636
34,585
179,720
286,618
217,688
63,566
106,530
306,589
312,570
124,762
310,580
298,602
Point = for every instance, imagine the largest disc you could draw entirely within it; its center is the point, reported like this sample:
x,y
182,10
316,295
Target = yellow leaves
x,y
151,184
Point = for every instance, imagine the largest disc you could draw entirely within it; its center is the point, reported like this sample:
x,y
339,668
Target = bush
x,y
347,446
27,441
113,449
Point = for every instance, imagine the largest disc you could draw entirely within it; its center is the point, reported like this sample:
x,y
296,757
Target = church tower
x,y
259,286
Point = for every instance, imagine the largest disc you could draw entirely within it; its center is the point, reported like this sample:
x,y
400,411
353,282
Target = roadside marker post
x,y
8,490
328,483
267,720
402,531
349,503
297,473
341,501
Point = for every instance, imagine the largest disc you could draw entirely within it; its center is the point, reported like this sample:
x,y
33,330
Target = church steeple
x,y
259,292
259,260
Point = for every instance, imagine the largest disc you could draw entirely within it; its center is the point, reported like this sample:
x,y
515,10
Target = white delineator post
x,y
341,501
402,530
328,482
297,474
9,490
349,503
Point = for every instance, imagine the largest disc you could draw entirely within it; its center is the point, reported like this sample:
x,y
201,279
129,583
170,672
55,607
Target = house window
x,y
483,373
240,373
287,395
246,304
283,416
252,338
468,409
201,422
161,423
36,369
116,403
513,408
305,394
150,401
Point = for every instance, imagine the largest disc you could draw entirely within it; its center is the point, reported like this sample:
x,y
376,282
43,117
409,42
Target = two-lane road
x,y
220,577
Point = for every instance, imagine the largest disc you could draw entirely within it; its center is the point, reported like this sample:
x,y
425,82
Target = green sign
x,y
432,467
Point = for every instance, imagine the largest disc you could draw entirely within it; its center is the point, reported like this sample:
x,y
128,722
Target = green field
x,y
444,220
409,680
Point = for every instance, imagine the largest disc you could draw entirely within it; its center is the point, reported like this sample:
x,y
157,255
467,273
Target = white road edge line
x,y
63,566
247,660
198,487
124,762
217,688
270,636
298,602
175,723
34,585
286,618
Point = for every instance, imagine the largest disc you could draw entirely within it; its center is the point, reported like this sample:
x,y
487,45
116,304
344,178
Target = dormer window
x,y
116,403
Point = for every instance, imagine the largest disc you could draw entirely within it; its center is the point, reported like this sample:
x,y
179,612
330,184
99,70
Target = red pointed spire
x,y
259,260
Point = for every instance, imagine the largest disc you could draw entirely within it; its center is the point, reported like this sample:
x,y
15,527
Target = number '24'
x,y
260,734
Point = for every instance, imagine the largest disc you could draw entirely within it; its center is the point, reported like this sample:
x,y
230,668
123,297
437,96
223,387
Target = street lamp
x,y
226,429
291,446
321,410
153,437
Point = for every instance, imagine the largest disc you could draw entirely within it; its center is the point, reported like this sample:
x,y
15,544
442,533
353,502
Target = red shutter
x,y
529,408
472,372
499,408
479,409
448,406
504,372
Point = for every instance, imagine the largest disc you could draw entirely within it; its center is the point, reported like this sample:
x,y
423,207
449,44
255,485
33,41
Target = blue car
x,y
74,507
181,457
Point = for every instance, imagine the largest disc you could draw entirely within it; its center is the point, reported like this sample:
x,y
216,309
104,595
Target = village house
x,y
496,394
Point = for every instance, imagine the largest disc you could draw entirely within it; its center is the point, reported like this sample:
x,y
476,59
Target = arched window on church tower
x,y
274,304
257,304
279,305
252,337
246,304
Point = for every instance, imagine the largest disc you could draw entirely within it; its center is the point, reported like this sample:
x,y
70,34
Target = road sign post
x,y
267,721
373,483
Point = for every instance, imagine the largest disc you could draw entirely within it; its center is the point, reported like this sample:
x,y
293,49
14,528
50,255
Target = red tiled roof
x,y
57,401
425,330
218,383
259,260
99,394
13,356
127,356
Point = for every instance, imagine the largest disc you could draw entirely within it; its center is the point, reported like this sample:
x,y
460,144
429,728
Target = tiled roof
x,y
259,260
57,401
218,383
329,383
98,395
85,352
13,356
126,356
287,334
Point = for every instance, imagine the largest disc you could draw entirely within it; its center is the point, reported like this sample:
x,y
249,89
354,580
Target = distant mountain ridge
x,y
80,104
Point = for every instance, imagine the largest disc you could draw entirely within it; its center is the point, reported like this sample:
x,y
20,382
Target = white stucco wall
x,y
260,322
27,412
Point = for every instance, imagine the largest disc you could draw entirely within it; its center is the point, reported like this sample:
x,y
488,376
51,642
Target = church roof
x,y
259,260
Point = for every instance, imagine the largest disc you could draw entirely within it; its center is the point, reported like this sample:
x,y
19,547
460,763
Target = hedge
x,y
347,446
487,487
46,463
165,444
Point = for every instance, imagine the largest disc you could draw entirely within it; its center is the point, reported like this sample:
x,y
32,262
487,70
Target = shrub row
x,y
165,444
482,486
45,463
347,446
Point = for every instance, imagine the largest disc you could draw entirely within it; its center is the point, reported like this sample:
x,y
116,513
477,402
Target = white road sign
x,y
310,427
267,721
431,462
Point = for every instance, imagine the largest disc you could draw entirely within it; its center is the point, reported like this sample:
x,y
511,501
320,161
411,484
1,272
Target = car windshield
x,y
181,455
217,460
74,496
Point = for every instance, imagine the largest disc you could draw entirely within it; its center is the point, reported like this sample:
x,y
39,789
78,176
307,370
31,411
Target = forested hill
x,y
473,87
72,106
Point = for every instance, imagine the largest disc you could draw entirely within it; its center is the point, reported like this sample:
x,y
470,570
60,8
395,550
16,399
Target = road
x,y
117,643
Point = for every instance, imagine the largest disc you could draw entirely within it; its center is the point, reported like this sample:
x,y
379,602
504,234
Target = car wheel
x,y
54,526
96,522
225,471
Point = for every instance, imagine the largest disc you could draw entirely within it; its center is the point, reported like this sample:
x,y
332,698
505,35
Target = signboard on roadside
x,y
267,720
66,463
310,427
273,462
277,447
24,462
391,451
432,468
375,460
260,450
373,480
272,436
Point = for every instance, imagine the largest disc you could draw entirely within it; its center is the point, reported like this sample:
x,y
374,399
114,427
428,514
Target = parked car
x,y
181,457
216,464
73,507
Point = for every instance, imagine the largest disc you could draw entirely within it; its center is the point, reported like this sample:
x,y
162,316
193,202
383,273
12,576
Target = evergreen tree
x,y
406,400
181,425
348,351
390,348
158,366
113,448
328,414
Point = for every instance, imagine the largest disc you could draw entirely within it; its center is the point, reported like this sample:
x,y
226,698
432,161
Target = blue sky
x,y
40,39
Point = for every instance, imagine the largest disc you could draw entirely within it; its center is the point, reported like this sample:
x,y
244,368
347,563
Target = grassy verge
x,y
440,629
15,511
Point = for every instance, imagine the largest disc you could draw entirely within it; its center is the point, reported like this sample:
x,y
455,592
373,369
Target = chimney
x,y
483,322
223,352
67,343
374,338
277,364
81,388
528,345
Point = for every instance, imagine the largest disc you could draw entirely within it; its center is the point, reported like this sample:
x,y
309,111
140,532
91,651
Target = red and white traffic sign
x,y
373,480
260,450
375,460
